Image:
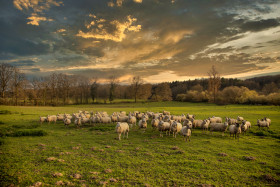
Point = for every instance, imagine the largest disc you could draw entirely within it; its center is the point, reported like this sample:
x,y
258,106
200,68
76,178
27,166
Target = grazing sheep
x,y
67,121
114,118
122,128
197,123
131,120
205,125
42,119
163,126
85,120
59,117
186,132
267,119
190,116
166,112
67,116
142,123
155,123
263,123
78,122
231,121
175,128
51,118
122,118
245,126
220,127
106,119
166,118
214,119
235,130
239,118
188,122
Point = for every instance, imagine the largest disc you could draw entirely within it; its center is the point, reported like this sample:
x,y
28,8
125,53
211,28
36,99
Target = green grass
x,y
142,159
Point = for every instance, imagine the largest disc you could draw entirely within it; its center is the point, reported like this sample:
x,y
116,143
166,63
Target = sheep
x,y
105,119
166,112
163,126
166,118
231,121
263,123
239,119
186,132
67,121
139,115
142,123
190,116
131,120
122,118
155,123
197,123
51,118
123,113
205,125
267,119
68,116
220,127
114,118
245,126
187,122
175,128
42,119
78,122
59,117
235,130
85,120
214,119
150,114
122,128
95,119
183,117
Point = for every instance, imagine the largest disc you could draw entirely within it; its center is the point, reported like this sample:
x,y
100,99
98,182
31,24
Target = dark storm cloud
x,y
260,25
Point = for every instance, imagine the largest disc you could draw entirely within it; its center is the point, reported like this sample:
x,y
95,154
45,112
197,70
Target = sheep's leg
x,y
120,136
127,134
175,134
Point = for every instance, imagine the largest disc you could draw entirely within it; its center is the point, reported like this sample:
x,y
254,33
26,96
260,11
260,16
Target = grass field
x,y
33,154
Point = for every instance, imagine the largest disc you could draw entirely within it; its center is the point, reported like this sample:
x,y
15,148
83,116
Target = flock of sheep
x,y
163,122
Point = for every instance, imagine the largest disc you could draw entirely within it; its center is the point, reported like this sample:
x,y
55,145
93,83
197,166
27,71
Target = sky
x,y
158,40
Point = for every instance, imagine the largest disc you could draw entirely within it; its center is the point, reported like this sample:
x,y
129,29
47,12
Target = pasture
x,y
52,154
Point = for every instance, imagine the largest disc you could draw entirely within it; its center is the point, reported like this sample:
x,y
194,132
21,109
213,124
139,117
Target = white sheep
x,y
155,123
114,118
122,128
205,125
163,126
131,120
190,116
85,120
214,119
239,118
142,123
267,119
188,122
175,128
220,127
59,117
67,121
246,125
122,118
42,119
263,123
78,121
51,118
231,121
197,123
186,132
166,112
105,119
235,130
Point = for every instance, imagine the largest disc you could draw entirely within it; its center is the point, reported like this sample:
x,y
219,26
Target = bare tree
x,y
6,75
136,84
93,89
214,82
17,81
113,85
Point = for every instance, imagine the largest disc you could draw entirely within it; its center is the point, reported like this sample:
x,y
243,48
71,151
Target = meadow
x,y
52,154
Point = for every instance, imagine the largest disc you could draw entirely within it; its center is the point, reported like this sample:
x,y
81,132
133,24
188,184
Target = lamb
x,y
235,129
186,132
205,125
214,119
122,128
131,120
67,121
190,116
220,127
163,126
231,121
51,118
42,119
142,123
263,123
155,123
175,128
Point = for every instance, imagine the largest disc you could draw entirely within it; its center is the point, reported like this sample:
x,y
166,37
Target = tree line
x,y
61,89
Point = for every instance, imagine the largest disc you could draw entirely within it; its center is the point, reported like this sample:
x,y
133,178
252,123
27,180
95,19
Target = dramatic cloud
x,y
160,40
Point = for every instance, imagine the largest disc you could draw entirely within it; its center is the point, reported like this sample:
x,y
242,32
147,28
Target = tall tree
x,y
6,75
163,92
214,82
113,85
17,81
136,84
94,89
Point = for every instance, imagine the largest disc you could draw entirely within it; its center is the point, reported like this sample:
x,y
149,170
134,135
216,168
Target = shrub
x,y
27,133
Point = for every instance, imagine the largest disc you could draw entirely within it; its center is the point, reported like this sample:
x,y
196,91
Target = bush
x,y
27,133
